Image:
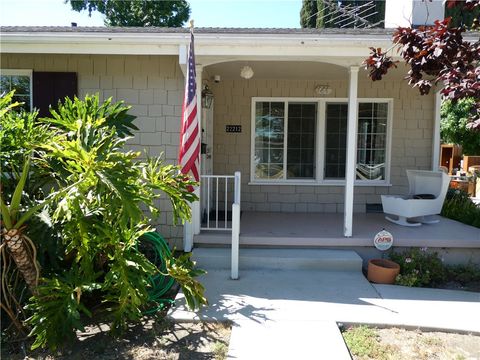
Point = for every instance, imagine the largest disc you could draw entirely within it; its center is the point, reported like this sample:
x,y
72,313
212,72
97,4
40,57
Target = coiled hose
x,y
156,249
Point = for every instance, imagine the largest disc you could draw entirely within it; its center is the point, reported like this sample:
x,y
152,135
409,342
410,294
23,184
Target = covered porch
x,y
260,229
352,124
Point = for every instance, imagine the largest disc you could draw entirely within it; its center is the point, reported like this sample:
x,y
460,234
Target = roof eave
x,y
168,43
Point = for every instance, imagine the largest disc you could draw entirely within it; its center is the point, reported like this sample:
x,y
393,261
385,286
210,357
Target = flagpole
x,y
196,216
191,227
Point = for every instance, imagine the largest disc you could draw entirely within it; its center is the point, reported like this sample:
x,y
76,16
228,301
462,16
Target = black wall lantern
x,y
207,97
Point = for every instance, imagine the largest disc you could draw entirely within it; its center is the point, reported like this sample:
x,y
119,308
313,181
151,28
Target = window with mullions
x,y
269,140
285,134
21,82
276,158
372,141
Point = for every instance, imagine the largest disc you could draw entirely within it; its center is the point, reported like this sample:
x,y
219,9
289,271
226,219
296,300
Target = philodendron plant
x,y
108,197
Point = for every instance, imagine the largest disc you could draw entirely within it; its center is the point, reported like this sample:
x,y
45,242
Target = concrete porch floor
x,y
326,230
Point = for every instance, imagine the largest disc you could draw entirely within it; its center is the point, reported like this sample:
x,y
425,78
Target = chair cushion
x,y
424,196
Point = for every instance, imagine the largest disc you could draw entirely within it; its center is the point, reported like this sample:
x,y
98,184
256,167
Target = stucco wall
x,y
153,85
411,141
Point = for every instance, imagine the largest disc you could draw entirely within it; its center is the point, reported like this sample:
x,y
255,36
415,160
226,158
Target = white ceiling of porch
x,y
300,70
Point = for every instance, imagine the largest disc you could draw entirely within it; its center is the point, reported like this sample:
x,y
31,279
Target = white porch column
x,y
436,132
191,228
350,169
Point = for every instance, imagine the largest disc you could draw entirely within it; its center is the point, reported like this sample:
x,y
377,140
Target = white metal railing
x,y
218,193
215,202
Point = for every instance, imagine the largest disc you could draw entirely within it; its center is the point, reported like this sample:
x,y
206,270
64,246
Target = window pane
x,y
301,140
380,110
371,141
275,171
294,110
276,156
335,140
261,155
21,84
269,140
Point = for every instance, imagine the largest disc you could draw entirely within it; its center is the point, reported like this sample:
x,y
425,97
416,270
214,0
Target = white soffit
x,y
222,44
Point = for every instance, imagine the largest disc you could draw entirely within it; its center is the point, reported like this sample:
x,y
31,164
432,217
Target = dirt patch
x,y
400,344
153,339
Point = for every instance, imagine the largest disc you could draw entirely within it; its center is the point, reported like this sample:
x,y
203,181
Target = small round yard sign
x,y
383,240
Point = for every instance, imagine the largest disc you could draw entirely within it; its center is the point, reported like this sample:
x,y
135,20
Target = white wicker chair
x,y
425,198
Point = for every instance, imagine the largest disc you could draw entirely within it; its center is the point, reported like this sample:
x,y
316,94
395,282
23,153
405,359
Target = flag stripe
x,y
189,134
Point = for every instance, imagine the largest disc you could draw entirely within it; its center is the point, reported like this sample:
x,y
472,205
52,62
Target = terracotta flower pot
x,y
382,271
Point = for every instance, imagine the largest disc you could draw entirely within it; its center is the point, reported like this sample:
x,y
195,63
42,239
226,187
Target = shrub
x,y
458,206
463,273
418,267
108,196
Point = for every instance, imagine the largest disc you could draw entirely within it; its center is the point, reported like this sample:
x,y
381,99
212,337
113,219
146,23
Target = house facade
x,y
309,131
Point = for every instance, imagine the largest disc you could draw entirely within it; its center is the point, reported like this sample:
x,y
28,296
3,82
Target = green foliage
x,y
6,103
418,267
168,179
72,114
363,342
172,13
56,310
455,117
128,276
320,14
183,270
458,206
463,273
461,16
309,13
20,134
101,203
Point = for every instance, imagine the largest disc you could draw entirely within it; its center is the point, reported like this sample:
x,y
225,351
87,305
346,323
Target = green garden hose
x,y
154,246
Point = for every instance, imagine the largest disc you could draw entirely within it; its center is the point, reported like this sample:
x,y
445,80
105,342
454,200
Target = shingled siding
x,y
411,142
153,85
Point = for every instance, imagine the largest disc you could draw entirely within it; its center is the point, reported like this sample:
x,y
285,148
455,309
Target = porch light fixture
x,y
207,97
323,90
246,72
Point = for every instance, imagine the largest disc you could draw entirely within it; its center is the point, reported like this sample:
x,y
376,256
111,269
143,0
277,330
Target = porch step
x,y
279,259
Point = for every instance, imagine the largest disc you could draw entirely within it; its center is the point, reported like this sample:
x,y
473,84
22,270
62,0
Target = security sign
x,y
383,240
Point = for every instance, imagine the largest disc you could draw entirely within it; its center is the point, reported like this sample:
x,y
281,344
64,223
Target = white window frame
x,y
320,142
21,72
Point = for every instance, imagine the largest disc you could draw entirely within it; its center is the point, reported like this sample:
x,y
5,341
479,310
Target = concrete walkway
x,y
281,314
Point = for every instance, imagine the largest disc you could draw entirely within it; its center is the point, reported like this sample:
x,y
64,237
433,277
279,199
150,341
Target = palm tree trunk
x,y
16,245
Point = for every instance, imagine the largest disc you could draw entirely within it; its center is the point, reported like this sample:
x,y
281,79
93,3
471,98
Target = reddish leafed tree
x,y
436,54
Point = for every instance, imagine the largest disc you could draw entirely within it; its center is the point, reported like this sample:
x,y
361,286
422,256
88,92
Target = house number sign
x,y
233,128
383,240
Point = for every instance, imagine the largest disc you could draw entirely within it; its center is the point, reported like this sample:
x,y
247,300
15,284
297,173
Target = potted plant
x,y
382,271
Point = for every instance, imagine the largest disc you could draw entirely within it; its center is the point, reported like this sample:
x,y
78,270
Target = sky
x,y
206,13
